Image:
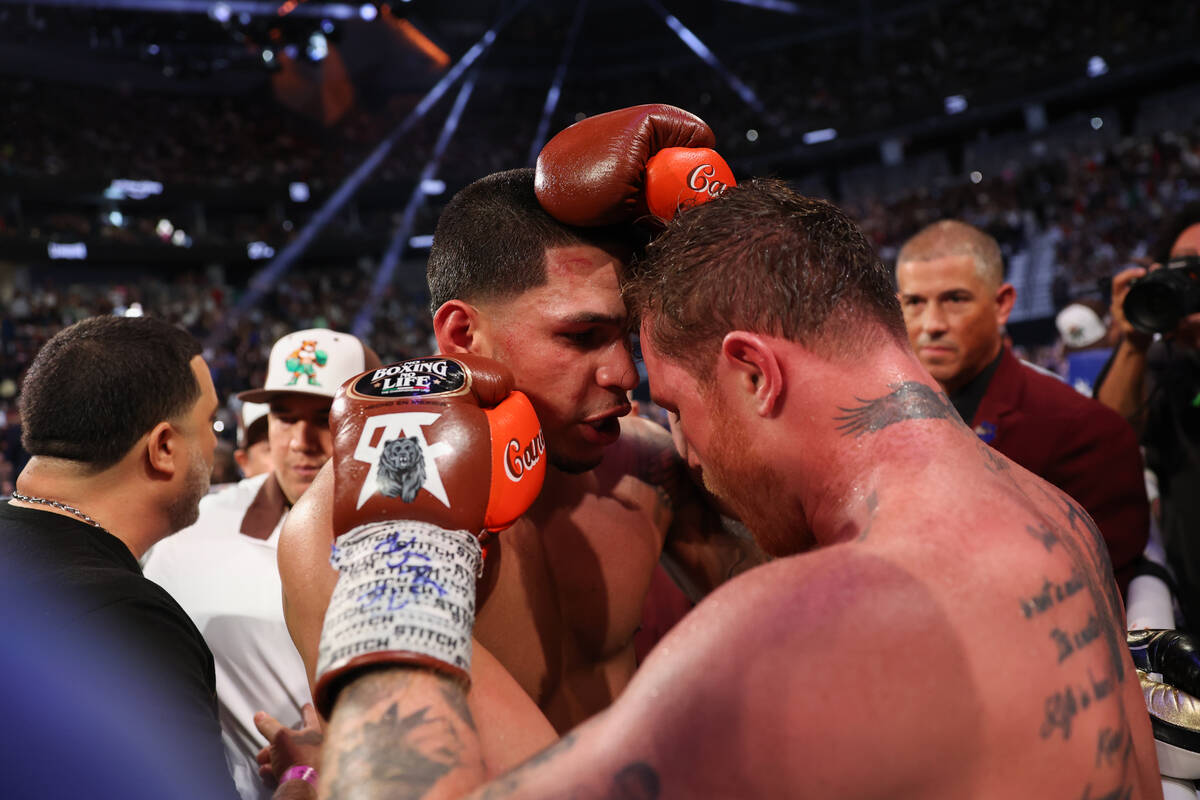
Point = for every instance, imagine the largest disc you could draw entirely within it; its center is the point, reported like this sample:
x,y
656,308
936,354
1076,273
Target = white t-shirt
x,y
228,582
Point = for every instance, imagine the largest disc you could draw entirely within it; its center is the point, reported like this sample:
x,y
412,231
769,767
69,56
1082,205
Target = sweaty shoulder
x,y
829,656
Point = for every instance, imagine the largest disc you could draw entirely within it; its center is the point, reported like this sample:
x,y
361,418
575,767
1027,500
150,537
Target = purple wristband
x,y
299,772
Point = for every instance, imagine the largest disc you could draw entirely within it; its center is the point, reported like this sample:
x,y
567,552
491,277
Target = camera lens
x,y
1154,307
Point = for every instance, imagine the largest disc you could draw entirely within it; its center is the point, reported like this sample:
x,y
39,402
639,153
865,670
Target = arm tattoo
x,y
421,750
907,400
638,781
391,749
635,781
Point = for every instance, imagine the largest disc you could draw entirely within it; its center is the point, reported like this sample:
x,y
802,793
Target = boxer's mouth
x,y
608,425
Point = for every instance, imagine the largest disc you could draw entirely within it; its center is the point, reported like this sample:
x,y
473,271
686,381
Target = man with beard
x,y
937,622
563,590
224,570
118,415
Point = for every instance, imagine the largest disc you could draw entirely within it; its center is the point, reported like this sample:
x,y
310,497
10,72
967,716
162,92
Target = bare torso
x,y
959,646
562,592
563,589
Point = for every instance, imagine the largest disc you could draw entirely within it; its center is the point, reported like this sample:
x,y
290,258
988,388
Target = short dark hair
x,y
492,237
101,384
765,259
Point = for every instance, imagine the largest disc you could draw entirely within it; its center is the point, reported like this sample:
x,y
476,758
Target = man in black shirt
x,y
117,415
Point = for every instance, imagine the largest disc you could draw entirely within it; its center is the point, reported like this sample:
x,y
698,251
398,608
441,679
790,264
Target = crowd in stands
x,y
1103,207
199,303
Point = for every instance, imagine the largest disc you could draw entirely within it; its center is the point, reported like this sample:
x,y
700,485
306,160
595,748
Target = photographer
x,y
1155,384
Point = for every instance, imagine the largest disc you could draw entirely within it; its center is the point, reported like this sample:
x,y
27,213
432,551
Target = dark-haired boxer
x,y
937,623
563,590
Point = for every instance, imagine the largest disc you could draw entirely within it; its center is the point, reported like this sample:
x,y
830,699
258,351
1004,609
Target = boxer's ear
x,y
457,326
755,368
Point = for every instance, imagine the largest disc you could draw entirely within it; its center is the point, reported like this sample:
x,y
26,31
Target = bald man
x,y
956,303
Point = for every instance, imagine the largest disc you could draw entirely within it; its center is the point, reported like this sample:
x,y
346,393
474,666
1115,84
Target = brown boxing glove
x,y
430,455
623,165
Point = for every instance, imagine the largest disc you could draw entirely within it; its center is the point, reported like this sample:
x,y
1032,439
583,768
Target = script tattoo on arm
x,y
1090,617
907,400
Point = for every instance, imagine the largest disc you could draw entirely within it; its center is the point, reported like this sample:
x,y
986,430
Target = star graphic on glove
x,y
394,426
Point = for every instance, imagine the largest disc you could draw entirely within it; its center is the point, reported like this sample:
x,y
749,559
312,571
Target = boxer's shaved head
x,y
953,238
762,258
492,237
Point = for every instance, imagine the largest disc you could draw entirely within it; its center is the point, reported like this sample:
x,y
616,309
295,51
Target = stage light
x,y
164,228
116,219
976,176
1097,123
752,135
257,251
327,26
221,12
955,104
423,242
218,425
818,136
433,186
75,251
152,49
368,12
134,310
268,55
298,191
317,48
1096,67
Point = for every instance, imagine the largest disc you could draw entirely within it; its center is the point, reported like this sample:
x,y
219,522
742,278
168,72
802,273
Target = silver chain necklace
x,y
63,506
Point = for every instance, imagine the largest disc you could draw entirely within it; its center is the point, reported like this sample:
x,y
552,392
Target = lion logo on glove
x,y
401,469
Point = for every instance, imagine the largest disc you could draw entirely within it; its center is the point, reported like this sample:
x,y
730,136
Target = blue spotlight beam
x,y
364,322
270,275
784,7
560,75
701,49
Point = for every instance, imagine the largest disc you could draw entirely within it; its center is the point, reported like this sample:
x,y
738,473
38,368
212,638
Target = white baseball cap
x,y
315,361
1079,326
251,413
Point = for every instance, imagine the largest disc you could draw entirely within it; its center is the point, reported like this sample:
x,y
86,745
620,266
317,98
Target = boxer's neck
x,y
869,427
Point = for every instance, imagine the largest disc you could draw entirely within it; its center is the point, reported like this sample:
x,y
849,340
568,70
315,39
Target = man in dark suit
x,y
956,303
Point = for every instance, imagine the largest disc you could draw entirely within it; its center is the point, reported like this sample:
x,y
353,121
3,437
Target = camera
x,y
1158,302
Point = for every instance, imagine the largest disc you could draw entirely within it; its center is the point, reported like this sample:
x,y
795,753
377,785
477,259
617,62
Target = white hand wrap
x,y
406,588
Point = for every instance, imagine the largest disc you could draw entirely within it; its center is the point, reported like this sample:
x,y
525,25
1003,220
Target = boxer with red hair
x,y
937,621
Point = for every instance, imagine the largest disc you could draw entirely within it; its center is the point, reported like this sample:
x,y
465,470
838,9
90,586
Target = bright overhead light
x,y
818,136
955,104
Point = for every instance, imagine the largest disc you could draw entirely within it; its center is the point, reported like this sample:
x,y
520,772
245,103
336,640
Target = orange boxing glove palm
x,y
599,170
430,456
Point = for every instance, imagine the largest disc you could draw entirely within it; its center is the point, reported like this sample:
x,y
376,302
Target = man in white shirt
x,y
223,569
